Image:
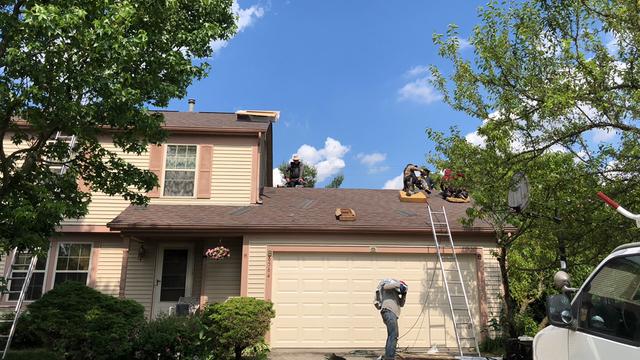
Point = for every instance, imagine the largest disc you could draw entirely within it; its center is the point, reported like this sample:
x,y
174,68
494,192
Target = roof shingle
x,y
298,209
209,121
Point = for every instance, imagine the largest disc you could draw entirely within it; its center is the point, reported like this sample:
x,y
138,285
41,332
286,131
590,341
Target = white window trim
x,y
195,176
55,263
5,297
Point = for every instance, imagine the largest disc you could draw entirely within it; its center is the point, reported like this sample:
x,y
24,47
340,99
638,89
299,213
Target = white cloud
x,y
475,139
278,179
328,160
602,135
612,44
395,183
371,159
417,71
419,91
463,44
245,18
373,162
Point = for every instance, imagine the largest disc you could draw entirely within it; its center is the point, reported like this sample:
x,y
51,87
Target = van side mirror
x,y
559,311
562,280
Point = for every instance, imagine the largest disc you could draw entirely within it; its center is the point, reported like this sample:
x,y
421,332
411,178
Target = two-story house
x,y
287,244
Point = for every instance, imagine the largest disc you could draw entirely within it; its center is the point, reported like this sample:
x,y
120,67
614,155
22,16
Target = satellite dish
x,y
519,192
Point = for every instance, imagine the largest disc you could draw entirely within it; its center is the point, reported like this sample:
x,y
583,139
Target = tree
x,y
310,174
527,243
554,71
89,69
335,182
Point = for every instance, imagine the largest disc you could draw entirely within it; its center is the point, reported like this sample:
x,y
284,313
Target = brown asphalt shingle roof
x,y
298,210
210,121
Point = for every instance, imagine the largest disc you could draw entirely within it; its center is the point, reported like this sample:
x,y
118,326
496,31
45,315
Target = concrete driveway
x,y
324,354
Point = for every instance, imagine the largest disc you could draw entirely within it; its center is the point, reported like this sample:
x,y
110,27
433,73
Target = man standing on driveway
x,y
391,295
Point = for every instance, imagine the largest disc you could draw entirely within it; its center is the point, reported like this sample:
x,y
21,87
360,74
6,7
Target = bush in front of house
x,y
172,337
237,324
82,323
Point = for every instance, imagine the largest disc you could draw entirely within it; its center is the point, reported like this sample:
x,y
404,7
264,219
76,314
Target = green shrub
x,y
237,324
525,324
172,337
259,351
83,323
24,336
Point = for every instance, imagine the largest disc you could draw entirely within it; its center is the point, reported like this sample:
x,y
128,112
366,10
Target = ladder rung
x,y
13,292
16,278
440,223
468,338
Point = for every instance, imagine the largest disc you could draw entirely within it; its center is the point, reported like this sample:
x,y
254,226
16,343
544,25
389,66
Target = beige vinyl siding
x,y
104,208
9,147
3,260
231,174
222,279
109,267
141,275
231,182
493,283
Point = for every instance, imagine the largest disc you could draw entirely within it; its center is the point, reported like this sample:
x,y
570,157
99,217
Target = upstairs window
x,y
180,170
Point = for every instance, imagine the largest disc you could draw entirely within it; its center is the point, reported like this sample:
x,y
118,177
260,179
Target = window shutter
x,y
83,186
156,159
204,171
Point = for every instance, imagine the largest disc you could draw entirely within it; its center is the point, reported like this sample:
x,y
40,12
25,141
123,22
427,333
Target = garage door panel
x,y
326,300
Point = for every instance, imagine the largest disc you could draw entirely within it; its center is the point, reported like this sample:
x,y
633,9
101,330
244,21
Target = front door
x,y
174,274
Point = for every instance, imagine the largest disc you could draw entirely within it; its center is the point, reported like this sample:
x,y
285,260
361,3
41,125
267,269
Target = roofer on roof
x,y
411,181
294,174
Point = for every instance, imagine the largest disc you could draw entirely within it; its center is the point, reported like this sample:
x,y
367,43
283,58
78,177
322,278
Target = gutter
x,y
364,229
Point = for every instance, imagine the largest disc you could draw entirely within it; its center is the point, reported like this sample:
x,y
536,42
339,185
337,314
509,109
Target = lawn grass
x,y
31,354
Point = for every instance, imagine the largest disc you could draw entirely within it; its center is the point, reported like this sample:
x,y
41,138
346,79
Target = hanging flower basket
x,y
217,253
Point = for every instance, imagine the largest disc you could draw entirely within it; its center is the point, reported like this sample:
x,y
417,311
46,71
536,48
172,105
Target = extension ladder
x,y
23,291
70,140
463,325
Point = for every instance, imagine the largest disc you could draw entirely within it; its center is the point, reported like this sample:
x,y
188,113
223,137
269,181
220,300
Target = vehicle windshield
x,y
619,279
610,304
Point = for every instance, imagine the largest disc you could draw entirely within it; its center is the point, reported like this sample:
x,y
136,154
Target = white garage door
x,y
326,300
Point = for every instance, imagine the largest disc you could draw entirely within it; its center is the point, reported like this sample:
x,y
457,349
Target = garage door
x,y
326,300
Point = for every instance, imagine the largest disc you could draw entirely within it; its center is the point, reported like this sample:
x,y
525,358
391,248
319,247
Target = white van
x,y
603,320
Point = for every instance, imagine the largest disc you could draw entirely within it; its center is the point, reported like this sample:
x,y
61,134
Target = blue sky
x,y
347,76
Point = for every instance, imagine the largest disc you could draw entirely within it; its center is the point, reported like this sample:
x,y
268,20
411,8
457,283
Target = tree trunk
x,y
238,351
508,300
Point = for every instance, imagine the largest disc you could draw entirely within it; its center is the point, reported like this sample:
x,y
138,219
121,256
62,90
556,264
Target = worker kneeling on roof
x,y
294,174
391,295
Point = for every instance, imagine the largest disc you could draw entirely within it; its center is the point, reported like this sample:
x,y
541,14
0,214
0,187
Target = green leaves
x,y
90,69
